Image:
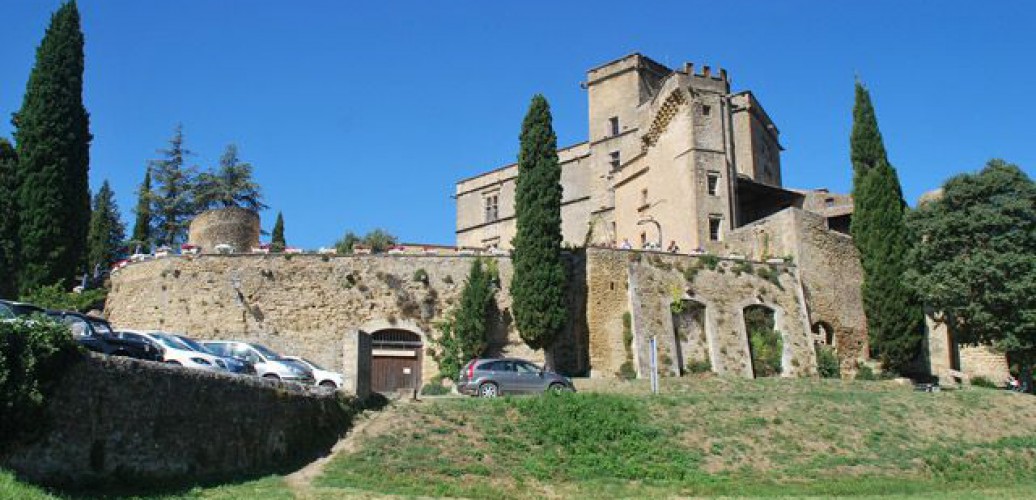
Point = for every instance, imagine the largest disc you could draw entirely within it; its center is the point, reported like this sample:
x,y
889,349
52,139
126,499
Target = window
x,y
705,110
712,179
643,197
714,224
643,240
492,207
829,202
613,123
615,160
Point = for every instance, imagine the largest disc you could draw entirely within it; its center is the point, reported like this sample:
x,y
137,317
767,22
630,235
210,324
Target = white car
x,y
176,352
268,364
321,376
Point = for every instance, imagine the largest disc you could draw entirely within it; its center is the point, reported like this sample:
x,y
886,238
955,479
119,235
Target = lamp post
x,y
651,220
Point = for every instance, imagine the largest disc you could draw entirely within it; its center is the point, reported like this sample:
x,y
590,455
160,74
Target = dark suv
x,y
492,377
96,335
10,309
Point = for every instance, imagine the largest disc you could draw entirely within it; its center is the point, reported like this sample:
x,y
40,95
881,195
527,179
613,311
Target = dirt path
x,y
301,481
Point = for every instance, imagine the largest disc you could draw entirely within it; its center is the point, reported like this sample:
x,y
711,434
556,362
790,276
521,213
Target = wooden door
x,y
400,370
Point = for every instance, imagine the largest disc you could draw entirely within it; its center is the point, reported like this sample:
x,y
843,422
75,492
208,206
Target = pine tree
x,y
8,221
894,314
106,230
465,334
53,143
231,185
277,243
172,200
538,286
141,239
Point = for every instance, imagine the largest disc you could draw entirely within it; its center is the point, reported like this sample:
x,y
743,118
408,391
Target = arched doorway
x,y
824,334
691,340
765,344
395,360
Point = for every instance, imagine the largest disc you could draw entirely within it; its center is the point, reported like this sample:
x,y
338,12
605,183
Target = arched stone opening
x,y
824,334
397,353
765,342
692,341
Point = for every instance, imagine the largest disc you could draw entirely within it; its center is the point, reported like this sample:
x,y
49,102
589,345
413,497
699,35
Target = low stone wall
x,y
122,422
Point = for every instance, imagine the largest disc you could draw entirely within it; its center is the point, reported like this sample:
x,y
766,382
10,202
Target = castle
x,y
673,156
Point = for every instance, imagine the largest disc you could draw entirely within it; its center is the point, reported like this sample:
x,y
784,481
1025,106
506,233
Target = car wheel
x,y
488,390
328,383
558,388
271,376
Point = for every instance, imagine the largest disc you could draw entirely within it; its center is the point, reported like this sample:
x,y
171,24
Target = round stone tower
x,y
233,226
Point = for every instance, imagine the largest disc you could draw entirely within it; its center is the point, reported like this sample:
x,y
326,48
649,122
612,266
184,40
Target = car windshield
x,y
194,345
170,341
265,352
101,327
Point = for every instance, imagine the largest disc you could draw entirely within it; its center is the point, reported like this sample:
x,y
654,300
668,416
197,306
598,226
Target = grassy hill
x,y
702,436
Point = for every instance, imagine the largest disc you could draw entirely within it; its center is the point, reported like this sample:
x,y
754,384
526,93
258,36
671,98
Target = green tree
x,y
142,227
379,240
894,314
465,334
346,243
277,243
975,259
8,220
231,185
172,201
106,230
538,287
52,133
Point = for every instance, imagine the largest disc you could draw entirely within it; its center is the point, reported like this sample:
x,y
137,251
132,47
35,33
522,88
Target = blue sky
x,y
362,115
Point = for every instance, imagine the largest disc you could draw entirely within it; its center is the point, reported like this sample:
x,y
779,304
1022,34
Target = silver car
x,y
493,377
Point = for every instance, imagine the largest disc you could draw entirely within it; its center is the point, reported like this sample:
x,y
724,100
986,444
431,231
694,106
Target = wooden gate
x,y
395,360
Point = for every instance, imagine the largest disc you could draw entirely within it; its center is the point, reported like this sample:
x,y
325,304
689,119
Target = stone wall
x,y
117,421
945,356
234,226
645,285
829,268
301,304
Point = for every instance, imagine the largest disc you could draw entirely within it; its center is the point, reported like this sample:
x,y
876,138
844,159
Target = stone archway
x,y
765,340
692,339
824,333
397,353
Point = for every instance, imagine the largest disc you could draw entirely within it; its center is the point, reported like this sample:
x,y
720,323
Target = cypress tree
x,y
172,200
8,221
106,230
142,227
53,138
894,313
538,286
277,243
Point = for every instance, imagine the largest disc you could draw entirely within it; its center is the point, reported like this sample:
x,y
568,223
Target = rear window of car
x,y
498,366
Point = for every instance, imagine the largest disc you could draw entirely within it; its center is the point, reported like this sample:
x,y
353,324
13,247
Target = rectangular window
x,y
613,123
705,110
829,202
492,207
643,240
712,183
614,160
715,222
643,197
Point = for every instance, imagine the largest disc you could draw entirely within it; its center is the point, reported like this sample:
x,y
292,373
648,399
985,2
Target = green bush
x,y
828,365
33,356
421,276
981,381
55,297
699,366
434,389
865,372
710,261
627,371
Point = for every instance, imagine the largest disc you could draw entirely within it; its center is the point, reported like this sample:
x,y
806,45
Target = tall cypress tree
x,y
8,221
53,138
277,243
172,200
142,227
106,230
894,313
538,286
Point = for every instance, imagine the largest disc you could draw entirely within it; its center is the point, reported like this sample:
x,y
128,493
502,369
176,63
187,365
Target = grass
x,y
704,436
272,488
701,436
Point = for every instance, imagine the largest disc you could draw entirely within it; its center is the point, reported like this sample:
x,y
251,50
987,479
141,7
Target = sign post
x,y
654,365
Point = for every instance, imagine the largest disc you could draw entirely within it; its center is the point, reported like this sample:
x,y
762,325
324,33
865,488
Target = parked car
x,y
96,335
175,352
321,376
234,365
493,377
268,364
10,309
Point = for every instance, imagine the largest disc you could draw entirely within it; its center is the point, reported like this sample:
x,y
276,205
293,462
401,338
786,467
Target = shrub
x,y
627,371
55,297
981,381
710,261
435,389
743,267
33,356
421,276
828,365
699,366
865,372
